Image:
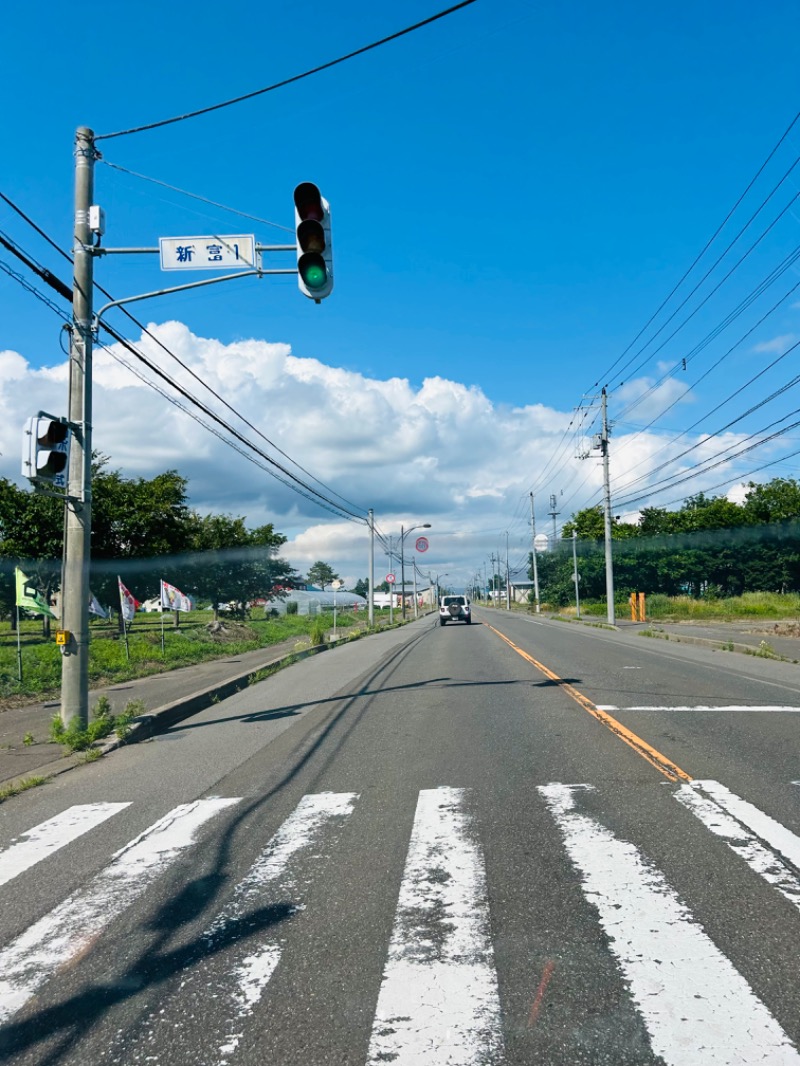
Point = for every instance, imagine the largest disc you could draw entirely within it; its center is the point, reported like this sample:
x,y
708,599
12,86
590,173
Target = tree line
x,y
144,530
710,546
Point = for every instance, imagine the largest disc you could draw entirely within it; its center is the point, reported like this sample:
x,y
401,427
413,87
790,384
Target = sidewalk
x,y
747,637
173,695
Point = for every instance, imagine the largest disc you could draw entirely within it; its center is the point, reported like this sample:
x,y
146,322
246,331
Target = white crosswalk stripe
x,y
50,836
764,844
249,967
697,1007
439,1000
36,954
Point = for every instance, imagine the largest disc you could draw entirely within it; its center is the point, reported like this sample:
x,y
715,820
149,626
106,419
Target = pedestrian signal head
x,y
45,450
313,232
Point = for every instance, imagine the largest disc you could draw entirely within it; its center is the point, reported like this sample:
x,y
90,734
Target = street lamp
x,y
403,534
436,582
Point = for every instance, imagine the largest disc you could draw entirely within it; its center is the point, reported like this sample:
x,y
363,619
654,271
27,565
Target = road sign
x,y
541,542
390,578
422,544
336,585
237,252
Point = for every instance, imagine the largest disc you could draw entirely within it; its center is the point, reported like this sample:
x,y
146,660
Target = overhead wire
x,y
703,250
294,481
291,80
195,196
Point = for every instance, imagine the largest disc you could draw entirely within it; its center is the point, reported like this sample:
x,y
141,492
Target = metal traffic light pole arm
x,y
181,288
96,249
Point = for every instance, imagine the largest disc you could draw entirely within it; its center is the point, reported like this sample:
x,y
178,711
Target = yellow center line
x,y
666,766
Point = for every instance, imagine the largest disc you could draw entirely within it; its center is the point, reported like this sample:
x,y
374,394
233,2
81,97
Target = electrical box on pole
x,y
45,450
312,217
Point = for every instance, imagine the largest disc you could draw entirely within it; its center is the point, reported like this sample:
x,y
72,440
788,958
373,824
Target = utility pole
x,y
508,578
607,514
554,515
78,507
576,576
533,556
371,607
390,553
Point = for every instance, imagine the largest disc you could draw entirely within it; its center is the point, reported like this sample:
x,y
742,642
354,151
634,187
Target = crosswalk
x,y
439,998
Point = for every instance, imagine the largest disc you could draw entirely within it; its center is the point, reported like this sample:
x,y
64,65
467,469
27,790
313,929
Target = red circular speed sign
x,y
390,578
422,544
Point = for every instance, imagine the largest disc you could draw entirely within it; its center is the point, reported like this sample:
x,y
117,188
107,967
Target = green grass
x,y
191,643
749,606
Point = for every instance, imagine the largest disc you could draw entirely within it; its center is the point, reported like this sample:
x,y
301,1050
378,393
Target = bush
x,y
291,607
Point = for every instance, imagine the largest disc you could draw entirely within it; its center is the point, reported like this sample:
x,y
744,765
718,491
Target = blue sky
x,y
514,190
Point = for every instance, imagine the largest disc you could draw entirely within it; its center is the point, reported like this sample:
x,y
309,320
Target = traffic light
x,y
312,219
45,450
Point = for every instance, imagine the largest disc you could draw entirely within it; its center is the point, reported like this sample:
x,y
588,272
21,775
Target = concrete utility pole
x,y
535,563
371,608
508,578
78,518
575,575
607,514
554,515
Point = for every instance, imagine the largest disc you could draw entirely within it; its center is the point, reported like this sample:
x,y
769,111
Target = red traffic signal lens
x,y
311,236
308,201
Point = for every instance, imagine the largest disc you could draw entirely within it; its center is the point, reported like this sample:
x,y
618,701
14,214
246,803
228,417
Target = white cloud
x,y
438,453
778,345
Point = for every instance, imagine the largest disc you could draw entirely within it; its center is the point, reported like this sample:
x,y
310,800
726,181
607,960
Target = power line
x,y
196,196
704,249
297,485
288,81
68,295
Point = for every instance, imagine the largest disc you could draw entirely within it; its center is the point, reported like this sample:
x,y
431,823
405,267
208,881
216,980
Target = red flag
x,y
127,602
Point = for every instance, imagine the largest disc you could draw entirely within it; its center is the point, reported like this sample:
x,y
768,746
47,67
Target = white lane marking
x,y
438,1001
696,1006
775,709
251,958
746,829
49,836
70,927
631,667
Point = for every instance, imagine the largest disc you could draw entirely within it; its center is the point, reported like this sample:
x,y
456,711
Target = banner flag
x,y
128,602
94,606
29,597
173,599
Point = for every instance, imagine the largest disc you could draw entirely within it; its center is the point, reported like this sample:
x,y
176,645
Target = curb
x,y
720,645
146,725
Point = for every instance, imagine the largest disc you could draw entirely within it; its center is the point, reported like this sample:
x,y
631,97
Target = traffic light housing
x,y
312,219
45,450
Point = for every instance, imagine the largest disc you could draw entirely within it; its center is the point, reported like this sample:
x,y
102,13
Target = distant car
x,y
454,609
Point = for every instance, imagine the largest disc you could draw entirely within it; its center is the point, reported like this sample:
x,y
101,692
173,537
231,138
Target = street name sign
x,y
237,252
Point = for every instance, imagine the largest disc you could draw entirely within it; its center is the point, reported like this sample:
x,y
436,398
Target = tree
x,y
31,536
230,563
322,574
361,587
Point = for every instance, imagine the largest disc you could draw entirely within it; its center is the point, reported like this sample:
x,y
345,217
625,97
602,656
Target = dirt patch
x,y
777,629
230,632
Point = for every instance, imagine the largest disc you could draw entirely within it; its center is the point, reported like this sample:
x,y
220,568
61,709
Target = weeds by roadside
x,y
7,791
103,725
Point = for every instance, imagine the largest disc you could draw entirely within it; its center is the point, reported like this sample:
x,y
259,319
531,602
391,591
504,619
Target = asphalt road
x,y
512,842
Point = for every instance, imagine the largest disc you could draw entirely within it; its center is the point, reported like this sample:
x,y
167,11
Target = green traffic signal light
x,y
312,270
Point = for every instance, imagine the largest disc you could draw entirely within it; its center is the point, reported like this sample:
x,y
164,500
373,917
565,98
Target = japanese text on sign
x,y
208,253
